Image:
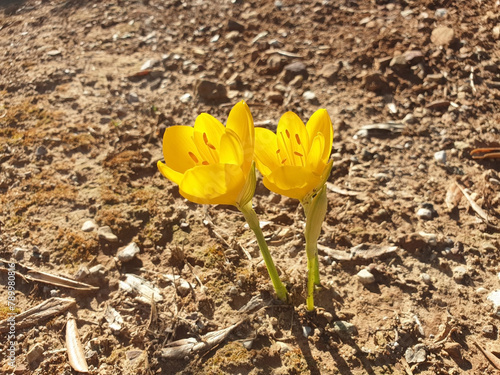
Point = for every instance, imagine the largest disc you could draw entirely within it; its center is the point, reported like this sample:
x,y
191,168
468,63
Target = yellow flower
x,y
294,161
212,164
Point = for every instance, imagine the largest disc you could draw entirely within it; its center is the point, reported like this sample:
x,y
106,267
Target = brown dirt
x,y
80,133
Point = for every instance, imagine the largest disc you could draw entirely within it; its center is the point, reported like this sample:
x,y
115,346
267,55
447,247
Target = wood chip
x,y
34,316
74,347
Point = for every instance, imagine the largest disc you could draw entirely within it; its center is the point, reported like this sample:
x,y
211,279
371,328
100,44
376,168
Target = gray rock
x,y
106,234
365,277
18,253
133,98
459,274
41,151
89,226
330,72
294,69
211,91
82,273
344,328
35,353
128,252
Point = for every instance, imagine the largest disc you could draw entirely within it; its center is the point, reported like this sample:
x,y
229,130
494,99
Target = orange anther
x,y
297,139
278,151
193,156
205,138
211,146
287,133
283,161
298,153
204,162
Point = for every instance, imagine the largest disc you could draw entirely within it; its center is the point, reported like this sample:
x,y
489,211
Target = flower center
x,y
294,149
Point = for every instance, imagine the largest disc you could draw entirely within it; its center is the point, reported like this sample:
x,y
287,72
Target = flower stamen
x,y
193,156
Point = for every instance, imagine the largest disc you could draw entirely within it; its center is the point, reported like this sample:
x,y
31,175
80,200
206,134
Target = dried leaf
x,y
362,251
142,287
474,205
185,347
74,347
35,315
486,153
59,281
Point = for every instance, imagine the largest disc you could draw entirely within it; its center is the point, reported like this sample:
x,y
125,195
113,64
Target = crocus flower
x,y
294,161
211,163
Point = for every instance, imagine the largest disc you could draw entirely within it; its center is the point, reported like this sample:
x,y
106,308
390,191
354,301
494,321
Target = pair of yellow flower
x,y
213,164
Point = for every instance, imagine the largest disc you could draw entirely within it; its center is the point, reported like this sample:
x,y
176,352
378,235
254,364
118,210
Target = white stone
x,y
105,233
494,297
89,226
424,213
128,252
440,157
365,277
186,98
309,96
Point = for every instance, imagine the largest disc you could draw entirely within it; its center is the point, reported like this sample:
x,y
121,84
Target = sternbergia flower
x,y
213,164
294,163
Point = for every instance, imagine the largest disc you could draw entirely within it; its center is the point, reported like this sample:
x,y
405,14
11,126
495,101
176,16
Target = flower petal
x,y
230,150
178,145
169,173
293,139
207,134
241,122
320,123
266,146
213,184
315,156
292,181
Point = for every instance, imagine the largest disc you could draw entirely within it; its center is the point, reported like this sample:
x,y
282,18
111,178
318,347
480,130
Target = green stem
x,y
311,267
253,223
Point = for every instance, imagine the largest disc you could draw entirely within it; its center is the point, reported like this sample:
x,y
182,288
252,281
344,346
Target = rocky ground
x,y
410,246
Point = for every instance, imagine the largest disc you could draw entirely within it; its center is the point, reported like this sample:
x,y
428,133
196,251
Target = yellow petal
x,y
213,184
241,122
207,134
230,151
320,123
315,157
266,146
293,140
292,181
169,173
178,145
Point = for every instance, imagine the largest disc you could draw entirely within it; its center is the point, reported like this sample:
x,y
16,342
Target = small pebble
x,y
128,252
18,253
459,274
494,297
426,278
186,98
41,151
409,119
89,226
365,277
343,327
425,213
416,354
133,98
306,331
488,330
105,233
309,96
35,353
440,157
